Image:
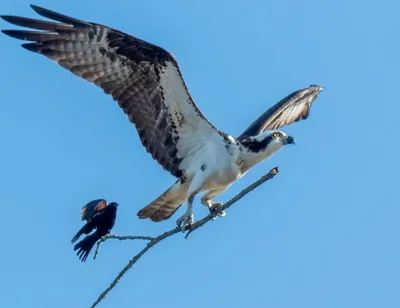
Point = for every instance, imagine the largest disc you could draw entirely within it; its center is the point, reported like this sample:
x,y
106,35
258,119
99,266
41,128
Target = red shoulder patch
x,y
101,205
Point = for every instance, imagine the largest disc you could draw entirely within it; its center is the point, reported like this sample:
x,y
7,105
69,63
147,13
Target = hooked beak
x,y
289,140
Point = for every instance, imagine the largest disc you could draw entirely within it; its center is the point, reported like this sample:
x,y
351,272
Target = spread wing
x,y
87,227
143,78
93,207
91,213
292,108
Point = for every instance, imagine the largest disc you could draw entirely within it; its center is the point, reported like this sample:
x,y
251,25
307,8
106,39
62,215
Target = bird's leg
x,y
186,219
194,188
216,208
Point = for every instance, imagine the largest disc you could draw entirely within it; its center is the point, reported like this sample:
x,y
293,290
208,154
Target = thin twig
x,y
155,240
152,243
120,238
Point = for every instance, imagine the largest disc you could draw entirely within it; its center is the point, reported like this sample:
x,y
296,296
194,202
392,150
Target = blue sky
x,y
323,233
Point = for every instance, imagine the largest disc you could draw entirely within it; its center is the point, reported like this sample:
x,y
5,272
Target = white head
x,y
267,143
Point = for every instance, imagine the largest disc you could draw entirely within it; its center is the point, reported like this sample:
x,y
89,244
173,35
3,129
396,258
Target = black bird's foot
x,y
216,208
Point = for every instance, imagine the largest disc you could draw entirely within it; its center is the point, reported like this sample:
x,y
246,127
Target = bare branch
x,y
121,238
155,240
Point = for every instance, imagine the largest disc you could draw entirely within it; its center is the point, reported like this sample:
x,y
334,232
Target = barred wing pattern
x,y
143,78
292,108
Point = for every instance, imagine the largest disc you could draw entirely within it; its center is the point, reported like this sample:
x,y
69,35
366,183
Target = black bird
x,y
99,216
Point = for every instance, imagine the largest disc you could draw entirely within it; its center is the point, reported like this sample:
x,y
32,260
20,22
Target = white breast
x,y
222,170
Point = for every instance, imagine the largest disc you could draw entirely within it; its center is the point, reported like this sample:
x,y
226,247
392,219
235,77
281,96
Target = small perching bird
x,y
99,216
148,85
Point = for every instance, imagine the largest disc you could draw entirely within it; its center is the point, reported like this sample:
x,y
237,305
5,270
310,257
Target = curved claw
x,y
216,208
185,221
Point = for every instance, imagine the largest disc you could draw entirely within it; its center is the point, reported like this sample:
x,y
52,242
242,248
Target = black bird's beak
x,y
289,140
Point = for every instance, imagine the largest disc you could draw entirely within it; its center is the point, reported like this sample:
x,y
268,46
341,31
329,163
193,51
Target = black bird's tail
x,y
85,246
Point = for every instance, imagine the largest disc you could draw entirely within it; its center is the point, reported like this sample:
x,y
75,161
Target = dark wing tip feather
x,y
317,87
35,47
79,233
59,17
34,36
75,238
7,32
14,34
35,23
293,108
9,18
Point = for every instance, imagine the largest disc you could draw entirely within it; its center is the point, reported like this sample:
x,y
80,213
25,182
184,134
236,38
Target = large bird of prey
x,y
148,85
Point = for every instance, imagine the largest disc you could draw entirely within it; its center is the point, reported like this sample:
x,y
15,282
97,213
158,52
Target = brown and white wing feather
x,y
143,78
292,108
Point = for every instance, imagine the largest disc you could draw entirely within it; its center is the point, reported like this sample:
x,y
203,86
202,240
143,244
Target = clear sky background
x,y
323,233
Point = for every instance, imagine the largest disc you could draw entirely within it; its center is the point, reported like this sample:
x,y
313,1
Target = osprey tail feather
x,y
165,205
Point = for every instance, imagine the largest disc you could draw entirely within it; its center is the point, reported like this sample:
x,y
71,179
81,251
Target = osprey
x,y
147,83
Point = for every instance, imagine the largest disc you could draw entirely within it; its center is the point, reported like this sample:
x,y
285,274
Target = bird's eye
x,y
276,135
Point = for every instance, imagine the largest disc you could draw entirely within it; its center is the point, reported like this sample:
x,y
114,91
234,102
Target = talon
x,y
179,221
216,208
185,221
